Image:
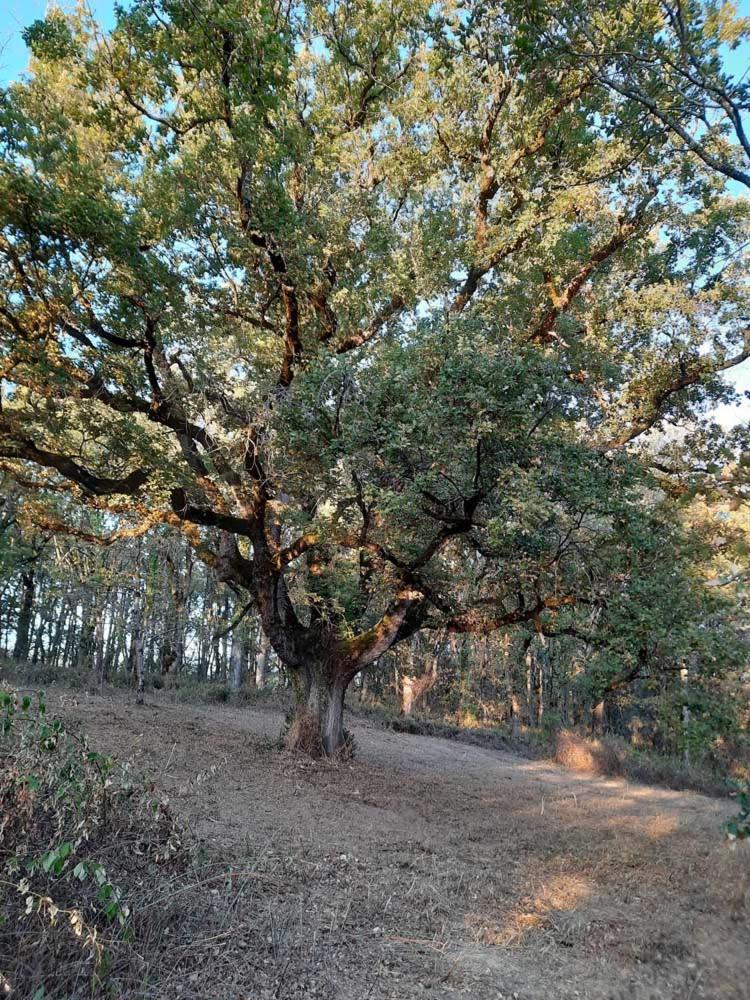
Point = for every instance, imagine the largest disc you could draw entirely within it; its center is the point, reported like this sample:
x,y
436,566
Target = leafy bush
x,y
275,696
35,675
219,693
78,840
614,757
738,828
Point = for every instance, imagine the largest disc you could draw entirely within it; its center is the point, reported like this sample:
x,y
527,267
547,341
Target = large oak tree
x,y
377,302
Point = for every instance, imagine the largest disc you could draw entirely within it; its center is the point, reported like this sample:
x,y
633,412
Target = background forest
x,y
86,616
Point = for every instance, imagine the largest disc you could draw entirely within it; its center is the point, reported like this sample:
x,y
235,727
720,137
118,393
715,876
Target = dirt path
x,y
428,868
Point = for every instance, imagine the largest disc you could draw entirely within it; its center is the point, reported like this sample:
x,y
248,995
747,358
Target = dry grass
x,y
589,756
610,756
424,868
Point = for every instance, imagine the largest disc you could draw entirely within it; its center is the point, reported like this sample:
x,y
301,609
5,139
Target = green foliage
x,y
52,38
738,828
386,315
65,807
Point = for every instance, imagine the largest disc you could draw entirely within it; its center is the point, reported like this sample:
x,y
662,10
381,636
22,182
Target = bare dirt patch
x,y
429,868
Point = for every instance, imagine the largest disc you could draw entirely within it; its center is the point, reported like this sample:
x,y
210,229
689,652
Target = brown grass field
x,y
426,868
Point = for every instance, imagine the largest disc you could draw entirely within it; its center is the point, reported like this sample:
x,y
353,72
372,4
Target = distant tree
x,y
375,304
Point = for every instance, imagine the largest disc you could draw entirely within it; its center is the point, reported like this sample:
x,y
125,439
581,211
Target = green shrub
x,y
738,828
220,693
78,839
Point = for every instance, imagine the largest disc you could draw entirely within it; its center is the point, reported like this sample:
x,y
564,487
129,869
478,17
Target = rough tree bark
x,y
318,727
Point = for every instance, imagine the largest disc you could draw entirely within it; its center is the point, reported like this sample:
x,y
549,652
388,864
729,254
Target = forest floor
x,y
428,868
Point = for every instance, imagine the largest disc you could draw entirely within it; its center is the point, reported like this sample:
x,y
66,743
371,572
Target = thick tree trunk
x,y
320,662
318,726
331,717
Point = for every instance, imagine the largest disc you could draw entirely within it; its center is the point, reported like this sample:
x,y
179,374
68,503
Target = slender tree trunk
x,y
183,584
115,625
64,655
99,639
215,656
542,659
529,661
5,619
248,676
169,633
150,644
597,718
236,659
202,666
416,686
86,641
261,663
685,682
178,636
137,650
25,615
513,708
59,636
52,626
222,648
409,680
43,619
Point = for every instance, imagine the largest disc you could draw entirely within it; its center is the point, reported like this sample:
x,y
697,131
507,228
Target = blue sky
x,y
15,15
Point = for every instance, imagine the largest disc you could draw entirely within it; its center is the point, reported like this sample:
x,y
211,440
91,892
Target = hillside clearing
x,y
432,868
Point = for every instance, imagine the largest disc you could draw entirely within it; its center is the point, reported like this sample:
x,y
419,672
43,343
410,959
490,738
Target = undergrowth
x,y
529,743
608,756
612,756
738,827
81,844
